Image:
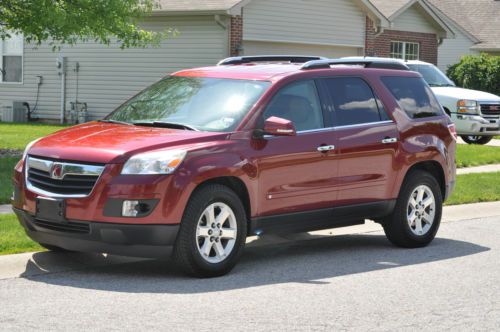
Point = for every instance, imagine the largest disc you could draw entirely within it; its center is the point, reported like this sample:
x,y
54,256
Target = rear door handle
x,y
389,140
326,148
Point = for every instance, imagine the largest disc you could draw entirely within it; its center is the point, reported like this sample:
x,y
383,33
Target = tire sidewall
x,y
416,180
231,199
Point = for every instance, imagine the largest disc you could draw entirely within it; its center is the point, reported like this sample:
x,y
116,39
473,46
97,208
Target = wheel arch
x,y
235,184
432,167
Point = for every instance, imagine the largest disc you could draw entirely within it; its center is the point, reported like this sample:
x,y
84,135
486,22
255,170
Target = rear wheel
x,y
212,233
476,139
417,215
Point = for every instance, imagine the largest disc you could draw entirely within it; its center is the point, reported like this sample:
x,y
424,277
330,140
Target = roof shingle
x,y
196,5
480,18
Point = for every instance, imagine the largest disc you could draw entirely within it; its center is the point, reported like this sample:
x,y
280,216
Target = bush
x,y
479,72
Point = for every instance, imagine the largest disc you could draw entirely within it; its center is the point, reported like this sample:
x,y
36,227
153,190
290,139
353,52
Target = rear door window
x,y
413,96
353,102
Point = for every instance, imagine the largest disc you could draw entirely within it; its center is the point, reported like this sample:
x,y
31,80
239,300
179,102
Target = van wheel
x,y
417,215
212,232
476,139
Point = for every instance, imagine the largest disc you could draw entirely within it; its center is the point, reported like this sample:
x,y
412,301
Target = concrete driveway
x,y
303,282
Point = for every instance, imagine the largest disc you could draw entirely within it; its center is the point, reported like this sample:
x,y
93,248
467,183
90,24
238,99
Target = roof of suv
x,y
276,67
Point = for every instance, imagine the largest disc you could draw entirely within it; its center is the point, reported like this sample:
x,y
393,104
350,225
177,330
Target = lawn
x,y
12,237
18,135
475,155
479,187
6,169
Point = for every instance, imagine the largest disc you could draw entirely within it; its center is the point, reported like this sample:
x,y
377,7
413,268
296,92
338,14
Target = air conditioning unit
x,y
18,112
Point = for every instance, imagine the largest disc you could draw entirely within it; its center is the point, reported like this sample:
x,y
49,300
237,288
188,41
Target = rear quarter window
x,y
413,96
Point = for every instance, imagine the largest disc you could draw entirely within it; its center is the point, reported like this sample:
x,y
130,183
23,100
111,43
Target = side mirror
x,y
279,127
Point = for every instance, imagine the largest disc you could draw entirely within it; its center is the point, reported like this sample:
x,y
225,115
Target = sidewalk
x,y
479,169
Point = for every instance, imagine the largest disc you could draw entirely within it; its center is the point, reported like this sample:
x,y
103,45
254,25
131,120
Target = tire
x,y
198,235
54,248
476,139
399,228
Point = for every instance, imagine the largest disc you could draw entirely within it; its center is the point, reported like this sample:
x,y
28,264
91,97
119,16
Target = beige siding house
x,y
103,77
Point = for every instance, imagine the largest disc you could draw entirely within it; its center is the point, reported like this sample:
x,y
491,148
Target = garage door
x,y
272,48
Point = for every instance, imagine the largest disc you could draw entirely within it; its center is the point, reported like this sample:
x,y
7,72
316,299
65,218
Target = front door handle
x,y
389,140
326,148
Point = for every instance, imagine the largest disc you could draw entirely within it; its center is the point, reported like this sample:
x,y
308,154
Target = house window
x,y
11,59
405,50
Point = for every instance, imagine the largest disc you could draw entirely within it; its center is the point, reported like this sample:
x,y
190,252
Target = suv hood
x,y
460,93
113,143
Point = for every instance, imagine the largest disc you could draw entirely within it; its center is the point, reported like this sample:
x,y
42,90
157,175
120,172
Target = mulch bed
x,y
10,153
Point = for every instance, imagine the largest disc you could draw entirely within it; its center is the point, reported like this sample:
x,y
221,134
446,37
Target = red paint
x,y
281,174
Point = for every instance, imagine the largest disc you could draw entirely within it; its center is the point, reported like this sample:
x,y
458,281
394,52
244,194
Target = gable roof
x,y
481,18
393,8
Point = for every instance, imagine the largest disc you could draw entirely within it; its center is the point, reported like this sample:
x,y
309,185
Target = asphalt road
x,y
345,282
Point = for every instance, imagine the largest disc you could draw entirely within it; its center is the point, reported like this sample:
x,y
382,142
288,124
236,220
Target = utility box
x,y
78,112
18,112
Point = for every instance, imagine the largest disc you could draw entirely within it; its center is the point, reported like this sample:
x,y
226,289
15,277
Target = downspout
x,y
61,70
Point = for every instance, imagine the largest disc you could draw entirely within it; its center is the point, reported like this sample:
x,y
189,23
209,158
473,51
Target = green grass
x,y
6,170
476,155
12,237
473,188
18,135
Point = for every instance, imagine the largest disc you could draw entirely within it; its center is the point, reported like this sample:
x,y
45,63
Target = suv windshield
x,y
207,104
432,75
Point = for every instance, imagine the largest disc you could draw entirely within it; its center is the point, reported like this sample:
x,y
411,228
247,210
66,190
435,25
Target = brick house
x,y
102,77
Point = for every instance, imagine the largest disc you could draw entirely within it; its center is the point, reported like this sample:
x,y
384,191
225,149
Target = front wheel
x,y
212,233
417,215
476,139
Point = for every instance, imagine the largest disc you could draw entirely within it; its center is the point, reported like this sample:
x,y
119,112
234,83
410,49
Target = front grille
x,y
71,184
490,109
64,179
67,227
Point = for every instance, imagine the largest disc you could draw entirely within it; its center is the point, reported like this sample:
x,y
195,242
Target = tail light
x,y
453,131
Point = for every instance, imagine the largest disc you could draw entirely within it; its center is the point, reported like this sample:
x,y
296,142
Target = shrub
x,y
479,72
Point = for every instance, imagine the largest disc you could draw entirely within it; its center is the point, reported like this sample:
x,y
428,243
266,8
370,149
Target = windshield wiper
x,y
115,121
164,124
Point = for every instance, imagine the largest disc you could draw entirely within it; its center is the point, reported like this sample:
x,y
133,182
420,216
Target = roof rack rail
x,y
268,58
367,63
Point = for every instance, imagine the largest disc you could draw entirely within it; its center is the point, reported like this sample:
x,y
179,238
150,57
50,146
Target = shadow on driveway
x,y
305,261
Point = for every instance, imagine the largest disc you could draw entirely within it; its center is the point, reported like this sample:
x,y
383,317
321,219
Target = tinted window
x,y
413,96
353,101
299,103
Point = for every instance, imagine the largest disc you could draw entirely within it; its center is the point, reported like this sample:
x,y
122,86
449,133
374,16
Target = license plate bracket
x,y
50,209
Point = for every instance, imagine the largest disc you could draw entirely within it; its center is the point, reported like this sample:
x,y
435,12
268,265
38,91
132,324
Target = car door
x,y
296,173
367,141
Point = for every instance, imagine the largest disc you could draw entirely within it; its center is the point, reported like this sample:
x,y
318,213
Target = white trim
x,y
22,63
405,43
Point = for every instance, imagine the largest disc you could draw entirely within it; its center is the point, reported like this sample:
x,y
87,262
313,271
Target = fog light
x,y
130,208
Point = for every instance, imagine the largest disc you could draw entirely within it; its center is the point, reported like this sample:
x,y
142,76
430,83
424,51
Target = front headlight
x,y
468,107
28,147
157,162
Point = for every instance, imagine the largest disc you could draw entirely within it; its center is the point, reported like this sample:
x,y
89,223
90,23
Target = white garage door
x,y
272,48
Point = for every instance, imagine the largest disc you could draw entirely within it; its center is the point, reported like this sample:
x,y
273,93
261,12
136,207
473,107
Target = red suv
x,y
202,159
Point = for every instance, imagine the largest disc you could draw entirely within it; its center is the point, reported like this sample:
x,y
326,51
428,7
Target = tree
x,y
480,72
69,21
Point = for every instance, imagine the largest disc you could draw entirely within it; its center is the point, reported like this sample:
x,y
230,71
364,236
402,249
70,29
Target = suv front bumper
x,y
476,125
149,241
